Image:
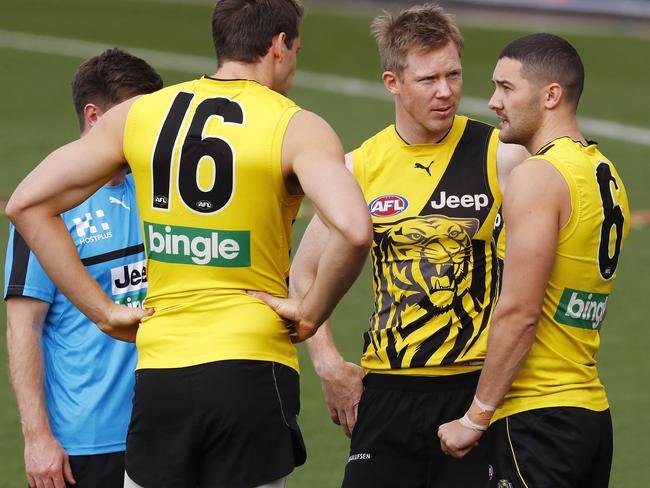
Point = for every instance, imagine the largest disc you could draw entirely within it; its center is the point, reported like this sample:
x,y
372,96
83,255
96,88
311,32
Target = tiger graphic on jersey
x,y
434,265
442,274
426,269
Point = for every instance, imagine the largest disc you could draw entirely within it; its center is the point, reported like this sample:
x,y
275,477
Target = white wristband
x,y
484,406
465,420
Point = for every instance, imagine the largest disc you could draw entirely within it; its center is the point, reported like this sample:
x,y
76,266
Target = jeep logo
x,y
478,201
128,278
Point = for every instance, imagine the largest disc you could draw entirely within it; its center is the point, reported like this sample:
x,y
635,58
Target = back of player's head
x,y
109,78
425,27
546,58
243,30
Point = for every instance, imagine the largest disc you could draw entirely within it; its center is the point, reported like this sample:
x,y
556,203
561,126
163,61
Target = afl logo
x,y
388,205
204,204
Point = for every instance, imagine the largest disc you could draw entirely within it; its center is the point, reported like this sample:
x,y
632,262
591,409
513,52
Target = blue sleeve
x,y
24,275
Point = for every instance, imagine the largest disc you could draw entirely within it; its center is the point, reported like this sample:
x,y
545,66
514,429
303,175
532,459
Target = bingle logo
x,y
388,205
454,201
581,309
205,247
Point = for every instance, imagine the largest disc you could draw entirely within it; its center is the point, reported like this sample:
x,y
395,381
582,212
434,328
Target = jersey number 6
x,y
613,217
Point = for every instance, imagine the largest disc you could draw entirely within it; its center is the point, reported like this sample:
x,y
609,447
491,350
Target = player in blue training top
x,y
73,383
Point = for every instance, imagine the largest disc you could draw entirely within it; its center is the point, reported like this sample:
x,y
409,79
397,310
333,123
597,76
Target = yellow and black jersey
x,y
433,209
560,369
206,157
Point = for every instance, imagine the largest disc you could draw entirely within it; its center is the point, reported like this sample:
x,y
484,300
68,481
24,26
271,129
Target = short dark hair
x,y
550,59
243,30
109,78
425,27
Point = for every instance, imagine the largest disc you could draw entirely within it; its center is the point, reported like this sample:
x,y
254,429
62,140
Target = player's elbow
x,y
16,208
515,315
358,233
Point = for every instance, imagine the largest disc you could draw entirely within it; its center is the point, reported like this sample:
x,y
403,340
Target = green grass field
x,y
37,116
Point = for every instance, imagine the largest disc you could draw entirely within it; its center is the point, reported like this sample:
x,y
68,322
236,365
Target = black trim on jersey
x,y
544,150
495,289
18,275
467,173
109,256
550,144
229,79
436,142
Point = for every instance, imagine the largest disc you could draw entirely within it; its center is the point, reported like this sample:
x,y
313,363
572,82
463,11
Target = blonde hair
x,y
423,27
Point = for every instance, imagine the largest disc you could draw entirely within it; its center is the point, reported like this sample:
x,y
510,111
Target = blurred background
x,y
42,43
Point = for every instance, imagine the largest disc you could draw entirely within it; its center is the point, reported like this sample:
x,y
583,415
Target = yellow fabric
x,y
560,369
411,248
211,235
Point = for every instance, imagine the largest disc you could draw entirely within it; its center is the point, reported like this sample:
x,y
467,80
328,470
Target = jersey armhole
x,y
358,167
493,180
568,229
126,149
276,157
492,169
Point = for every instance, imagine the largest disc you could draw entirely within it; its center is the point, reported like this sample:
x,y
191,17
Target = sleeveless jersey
x,y
560,370
88,376
433,209
206,156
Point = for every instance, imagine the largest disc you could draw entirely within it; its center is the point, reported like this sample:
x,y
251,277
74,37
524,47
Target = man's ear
x,y
92,113
553,93
391,82
279,46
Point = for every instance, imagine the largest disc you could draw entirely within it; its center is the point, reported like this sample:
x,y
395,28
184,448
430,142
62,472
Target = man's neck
x,y
554,128
234,70
414,133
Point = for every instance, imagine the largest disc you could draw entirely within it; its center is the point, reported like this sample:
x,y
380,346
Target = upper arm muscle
x,y
532,222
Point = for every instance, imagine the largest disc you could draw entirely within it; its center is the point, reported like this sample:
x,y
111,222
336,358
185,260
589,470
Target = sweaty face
x,y
429,90
517,103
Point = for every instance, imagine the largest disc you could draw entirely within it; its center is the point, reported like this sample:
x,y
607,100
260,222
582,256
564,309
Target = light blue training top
x,y
89,376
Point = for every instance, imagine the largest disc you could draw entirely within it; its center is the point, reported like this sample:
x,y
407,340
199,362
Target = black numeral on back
x,y
613,217
194,149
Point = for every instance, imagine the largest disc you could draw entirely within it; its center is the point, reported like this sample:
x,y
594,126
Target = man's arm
x,y
63,180
313,153
533,214
341,381
509,156
46,462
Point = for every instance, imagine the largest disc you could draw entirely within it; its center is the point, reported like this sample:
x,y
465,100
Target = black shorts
x,y
558,447
395,441
231,424
98,470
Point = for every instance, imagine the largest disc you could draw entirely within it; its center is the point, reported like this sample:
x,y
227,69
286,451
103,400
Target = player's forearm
x,y
323,352
512,334
50,241
26,374
338,267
